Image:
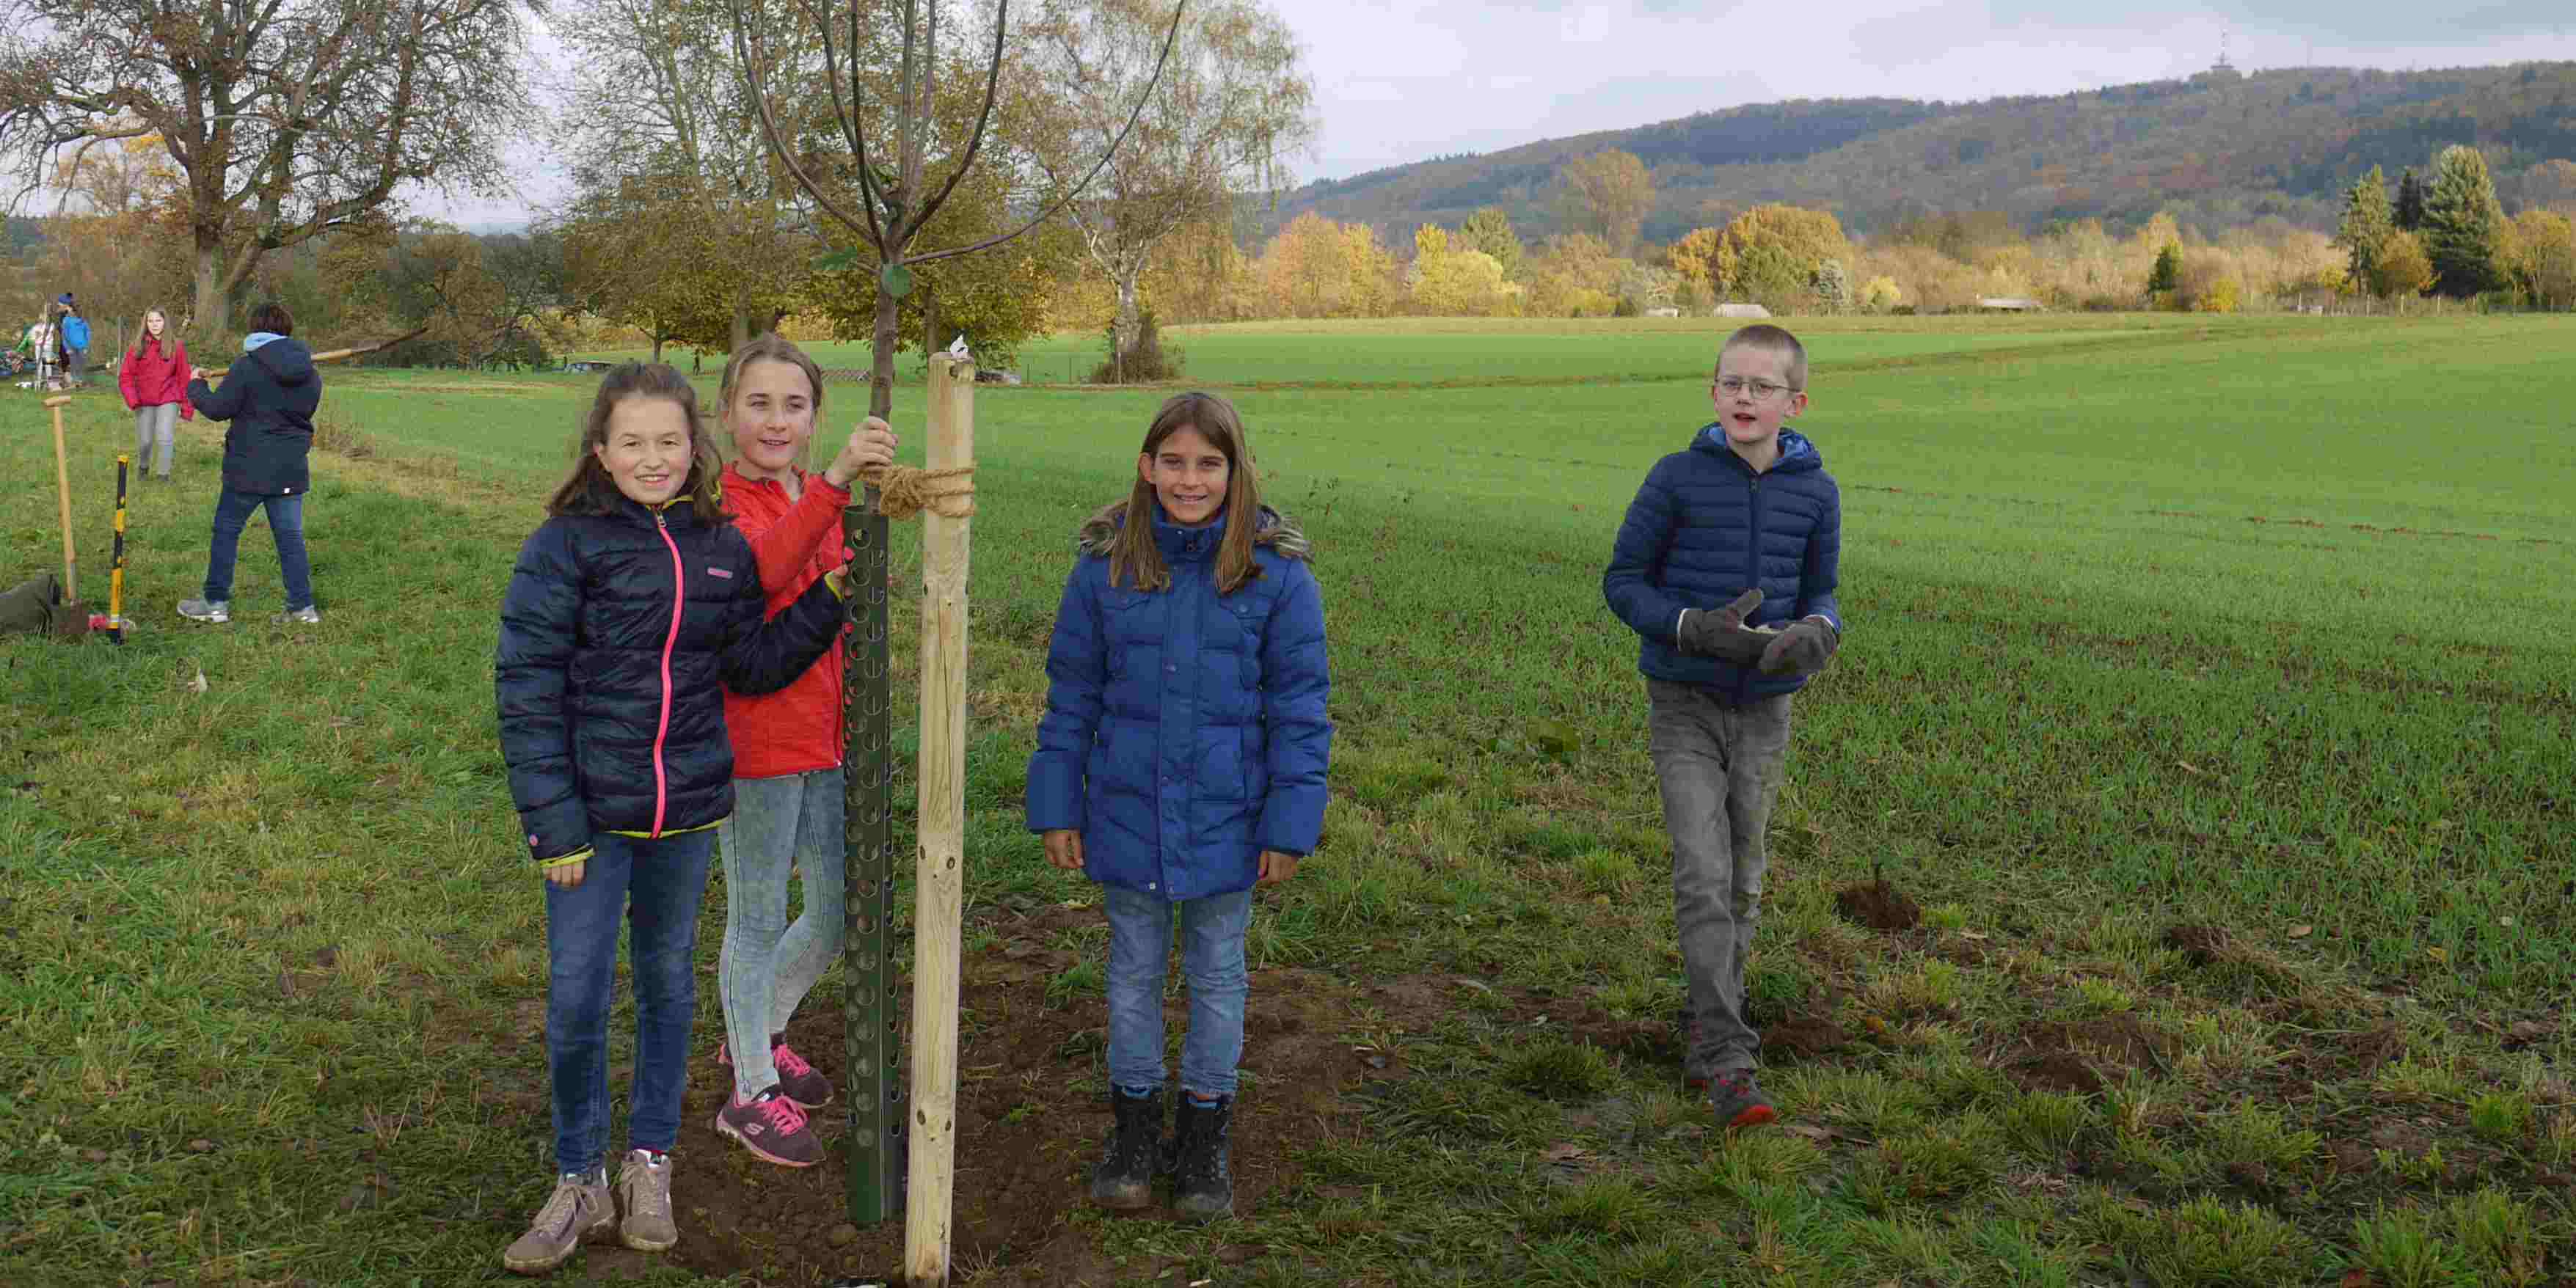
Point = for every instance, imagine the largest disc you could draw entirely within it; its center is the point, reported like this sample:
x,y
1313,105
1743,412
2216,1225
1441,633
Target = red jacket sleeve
x,y
125,379
785,548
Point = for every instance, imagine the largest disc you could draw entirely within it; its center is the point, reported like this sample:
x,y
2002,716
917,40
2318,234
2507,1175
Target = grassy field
x,y
2209,685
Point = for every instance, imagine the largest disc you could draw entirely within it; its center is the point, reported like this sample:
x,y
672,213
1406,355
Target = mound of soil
x,y
2086,1055
2202,945
1026,1134
1878,905
1804,1037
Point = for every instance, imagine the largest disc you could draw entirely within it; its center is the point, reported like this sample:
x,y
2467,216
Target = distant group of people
x,y
54,347
669,687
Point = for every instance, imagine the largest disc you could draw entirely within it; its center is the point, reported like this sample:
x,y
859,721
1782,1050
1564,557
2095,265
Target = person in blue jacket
x,y
1181,761
269,394
631,610
1725,567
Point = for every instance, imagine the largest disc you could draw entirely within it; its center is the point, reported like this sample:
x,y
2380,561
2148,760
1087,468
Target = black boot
x,y
1125,1177
1202,1185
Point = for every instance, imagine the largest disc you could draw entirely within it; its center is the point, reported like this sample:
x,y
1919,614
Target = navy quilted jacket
x,y
619,635
1704,529
1185,730
269,394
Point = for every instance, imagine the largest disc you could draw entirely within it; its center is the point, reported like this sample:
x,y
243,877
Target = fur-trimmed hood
x,y
1098,532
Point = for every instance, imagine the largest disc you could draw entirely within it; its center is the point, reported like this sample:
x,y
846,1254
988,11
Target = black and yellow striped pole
x,y
116,563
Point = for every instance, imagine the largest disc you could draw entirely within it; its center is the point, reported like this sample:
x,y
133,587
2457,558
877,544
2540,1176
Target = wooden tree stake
x,y
939,884
63,491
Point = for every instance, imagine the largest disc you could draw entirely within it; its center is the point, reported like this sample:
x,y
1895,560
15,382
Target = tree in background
x,y
1449,279
666,149
2166,277
122,243
1832,285
1232,105
1606,194
2402,271
2465,232
1573,275
456,298
2409,210
2547,267
1489,230
1777,249
2366,225
1316,268
1704,260
285,120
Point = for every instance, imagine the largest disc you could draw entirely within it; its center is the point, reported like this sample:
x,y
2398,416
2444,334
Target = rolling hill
x,y
2220,149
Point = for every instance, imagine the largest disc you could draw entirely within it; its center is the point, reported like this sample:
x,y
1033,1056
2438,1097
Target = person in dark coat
x,y
1725,567
269,394
630,611
1181,761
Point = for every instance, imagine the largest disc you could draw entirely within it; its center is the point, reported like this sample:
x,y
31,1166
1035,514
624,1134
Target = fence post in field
x,y
939,885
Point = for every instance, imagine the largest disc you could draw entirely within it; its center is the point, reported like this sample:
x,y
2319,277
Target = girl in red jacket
x,y
787,752
154,377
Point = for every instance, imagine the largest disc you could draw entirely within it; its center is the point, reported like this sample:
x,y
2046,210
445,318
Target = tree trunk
x,y
741,324
657,348
213,309
1124,336
881,368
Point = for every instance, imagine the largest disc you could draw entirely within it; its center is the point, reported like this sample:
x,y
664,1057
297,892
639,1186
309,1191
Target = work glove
x,y
1802,649
1722,633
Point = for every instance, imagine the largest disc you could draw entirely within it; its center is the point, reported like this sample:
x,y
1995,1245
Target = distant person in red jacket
x,y
154,378
787,745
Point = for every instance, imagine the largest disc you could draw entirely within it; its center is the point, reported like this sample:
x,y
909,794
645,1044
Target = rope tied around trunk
x,y
903,491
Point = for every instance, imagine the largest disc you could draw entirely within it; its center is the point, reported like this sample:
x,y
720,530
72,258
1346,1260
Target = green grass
x,y
2252,625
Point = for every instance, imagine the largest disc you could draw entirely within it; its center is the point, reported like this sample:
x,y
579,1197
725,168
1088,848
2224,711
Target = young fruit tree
x,y
880,166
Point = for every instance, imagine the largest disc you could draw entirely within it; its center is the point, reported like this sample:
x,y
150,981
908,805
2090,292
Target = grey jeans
x,y
1719,770
156,423
767,965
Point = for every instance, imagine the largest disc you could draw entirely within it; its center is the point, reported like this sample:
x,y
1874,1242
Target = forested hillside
x,y
2218,150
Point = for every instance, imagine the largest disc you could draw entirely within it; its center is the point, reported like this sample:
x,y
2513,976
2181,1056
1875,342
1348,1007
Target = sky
x,y
1402,82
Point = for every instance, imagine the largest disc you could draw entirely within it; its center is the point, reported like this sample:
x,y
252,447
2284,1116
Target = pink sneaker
x,y
772,1128
798,1079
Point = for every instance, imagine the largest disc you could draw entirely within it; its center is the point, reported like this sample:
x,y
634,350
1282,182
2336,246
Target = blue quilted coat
x,y
1704,529
1185,730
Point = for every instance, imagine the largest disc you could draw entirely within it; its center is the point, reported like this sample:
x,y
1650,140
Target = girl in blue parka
x,y
1181,761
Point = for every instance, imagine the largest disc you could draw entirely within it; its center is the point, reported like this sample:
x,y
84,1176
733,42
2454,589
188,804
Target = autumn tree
x,y
1232,106
285,120
1606,194
2367,222
1573,275
119,239
667,148
2403,270
2547,267
2465,232
1316,268
1489,229
1452,279
1793,243
1704,260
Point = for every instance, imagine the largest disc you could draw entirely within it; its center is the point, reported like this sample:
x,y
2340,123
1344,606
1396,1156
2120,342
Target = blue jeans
x,y
767,965
285,522
654,887
1140,949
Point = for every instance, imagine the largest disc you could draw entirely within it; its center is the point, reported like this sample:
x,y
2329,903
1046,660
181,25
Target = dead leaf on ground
x,y
2302,932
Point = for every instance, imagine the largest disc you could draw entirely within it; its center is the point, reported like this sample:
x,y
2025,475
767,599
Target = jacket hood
x,y
286,358
1100,531
1797,451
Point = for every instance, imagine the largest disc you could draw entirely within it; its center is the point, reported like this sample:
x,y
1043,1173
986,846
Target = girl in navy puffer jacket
x,y
1182,761
630,612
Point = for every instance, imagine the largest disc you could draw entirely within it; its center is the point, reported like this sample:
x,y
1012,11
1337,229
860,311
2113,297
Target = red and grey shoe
x,y
1737,1099
772,1128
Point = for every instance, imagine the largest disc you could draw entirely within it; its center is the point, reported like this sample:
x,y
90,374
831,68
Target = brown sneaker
x,y
772,1128
578,1209
644,1190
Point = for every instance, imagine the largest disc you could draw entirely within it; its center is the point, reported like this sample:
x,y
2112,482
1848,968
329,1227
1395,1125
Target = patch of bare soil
x,y
1026,1134
2084,1056
1878,905
2201,945
1803,1037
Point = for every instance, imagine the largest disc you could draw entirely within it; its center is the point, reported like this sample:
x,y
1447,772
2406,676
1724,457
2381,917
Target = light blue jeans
x,y
767,965
1140,952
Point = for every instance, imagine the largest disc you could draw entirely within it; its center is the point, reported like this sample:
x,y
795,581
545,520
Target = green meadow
x,y
2210,685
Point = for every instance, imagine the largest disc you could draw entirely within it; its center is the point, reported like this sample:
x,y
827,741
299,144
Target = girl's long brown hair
x,y
591,491
1133,556
168,339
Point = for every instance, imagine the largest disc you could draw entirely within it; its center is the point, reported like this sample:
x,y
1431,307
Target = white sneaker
x,y
206,610
300,617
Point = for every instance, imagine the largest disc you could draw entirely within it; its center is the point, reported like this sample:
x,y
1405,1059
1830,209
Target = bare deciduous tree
x,y
286,119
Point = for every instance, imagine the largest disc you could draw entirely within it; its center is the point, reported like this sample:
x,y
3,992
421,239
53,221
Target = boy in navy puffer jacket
x,y
1725,567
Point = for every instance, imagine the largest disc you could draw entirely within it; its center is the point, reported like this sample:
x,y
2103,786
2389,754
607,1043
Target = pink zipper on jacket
x,y
679,601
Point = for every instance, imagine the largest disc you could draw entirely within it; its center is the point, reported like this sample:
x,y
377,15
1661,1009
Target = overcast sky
x,y
1399,82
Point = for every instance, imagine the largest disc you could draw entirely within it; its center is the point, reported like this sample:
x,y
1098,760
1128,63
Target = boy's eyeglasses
x,y
1762,390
